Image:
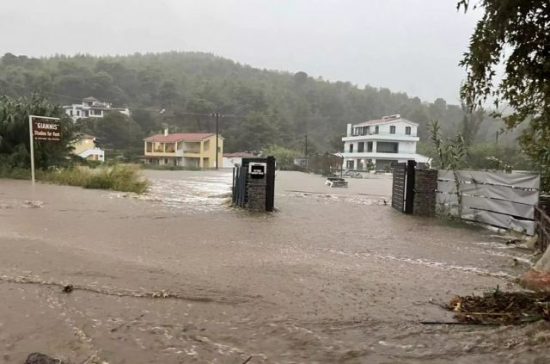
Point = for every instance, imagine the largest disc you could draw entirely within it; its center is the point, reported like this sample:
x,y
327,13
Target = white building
x,y
381,142
232,159
85,147
92,108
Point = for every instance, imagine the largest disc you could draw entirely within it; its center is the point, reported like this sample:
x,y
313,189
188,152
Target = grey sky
x,y
405,45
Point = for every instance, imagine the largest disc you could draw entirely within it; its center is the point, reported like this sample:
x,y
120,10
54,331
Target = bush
x,y
14,173
124,178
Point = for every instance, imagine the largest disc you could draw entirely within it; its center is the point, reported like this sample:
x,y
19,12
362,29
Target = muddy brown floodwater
x,y
177,276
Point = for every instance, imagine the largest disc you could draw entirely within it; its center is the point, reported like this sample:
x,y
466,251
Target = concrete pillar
x,y
425,185
348,130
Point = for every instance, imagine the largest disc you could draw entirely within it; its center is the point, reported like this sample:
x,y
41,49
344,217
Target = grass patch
x,y
124,178
15,173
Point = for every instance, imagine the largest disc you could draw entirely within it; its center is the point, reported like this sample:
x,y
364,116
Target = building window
x,y
408,130
367,130
376,129
170,147
360,147
149,147
351,148
369,147
387,147
159,147
392,129
349,164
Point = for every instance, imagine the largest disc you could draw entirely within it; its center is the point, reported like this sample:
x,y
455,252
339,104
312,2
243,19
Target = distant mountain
x,y
261,107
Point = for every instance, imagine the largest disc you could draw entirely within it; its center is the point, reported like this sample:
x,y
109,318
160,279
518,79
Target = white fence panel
x,y
498,199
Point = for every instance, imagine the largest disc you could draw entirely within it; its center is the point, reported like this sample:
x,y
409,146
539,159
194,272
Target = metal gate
x,y
403,187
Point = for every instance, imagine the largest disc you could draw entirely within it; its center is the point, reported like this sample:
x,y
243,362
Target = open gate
x,y
403,187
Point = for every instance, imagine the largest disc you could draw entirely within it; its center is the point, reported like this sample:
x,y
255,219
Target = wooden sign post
x,y
42,128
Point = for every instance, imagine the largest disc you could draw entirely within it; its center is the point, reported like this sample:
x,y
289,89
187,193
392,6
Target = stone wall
x,y
256,191
425,186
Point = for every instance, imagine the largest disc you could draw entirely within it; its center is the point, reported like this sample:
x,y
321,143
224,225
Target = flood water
x,y
179,276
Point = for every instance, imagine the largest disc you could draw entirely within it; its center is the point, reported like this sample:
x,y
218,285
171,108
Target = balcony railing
x,y
383,133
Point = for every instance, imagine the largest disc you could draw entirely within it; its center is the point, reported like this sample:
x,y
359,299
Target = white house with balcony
x,y
380,143
90,107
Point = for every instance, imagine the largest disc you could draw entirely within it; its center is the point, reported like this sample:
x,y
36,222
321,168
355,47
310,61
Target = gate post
x,y
398,187
254,184
270,184
409,189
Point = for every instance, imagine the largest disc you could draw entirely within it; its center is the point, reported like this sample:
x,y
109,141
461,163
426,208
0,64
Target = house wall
x,y
230,162
87,149
83,145
208,151
188,154
384,128
357,157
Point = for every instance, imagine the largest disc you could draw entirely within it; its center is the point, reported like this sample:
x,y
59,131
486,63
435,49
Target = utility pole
x,y
305,152
217,116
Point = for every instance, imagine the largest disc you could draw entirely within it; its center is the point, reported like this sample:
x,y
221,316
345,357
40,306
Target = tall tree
x,y
515,33
14,133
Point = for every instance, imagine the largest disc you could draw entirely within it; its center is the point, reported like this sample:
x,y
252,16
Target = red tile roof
x,y
178,137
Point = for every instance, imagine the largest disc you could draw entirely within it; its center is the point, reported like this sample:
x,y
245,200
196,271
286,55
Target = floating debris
x,y
38,358
33,204
501,308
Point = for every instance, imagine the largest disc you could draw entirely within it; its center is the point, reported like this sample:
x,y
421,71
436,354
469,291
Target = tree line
x,y
262,108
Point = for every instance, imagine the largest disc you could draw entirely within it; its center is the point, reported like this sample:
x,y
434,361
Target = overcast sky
x,y
405,45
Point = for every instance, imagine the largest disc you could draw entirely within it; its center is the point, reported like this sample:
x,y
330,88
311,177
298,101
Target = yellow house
x,y
84,146
196,150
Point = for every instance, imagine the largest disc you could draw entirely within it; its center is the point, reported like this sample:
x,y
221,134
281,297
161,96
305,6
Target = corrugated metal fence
x,y
498,199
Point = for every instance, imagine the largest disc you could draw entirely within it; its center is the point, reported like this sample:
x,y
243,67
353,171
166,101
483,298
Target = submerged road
x,y
177,276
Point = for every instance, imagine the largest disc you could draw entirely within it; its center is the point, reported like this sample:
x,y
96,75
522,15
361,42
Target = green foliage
x,y
115,132
451,152
14,133
14,172
262,107
514,33
492,156
284,156
124,178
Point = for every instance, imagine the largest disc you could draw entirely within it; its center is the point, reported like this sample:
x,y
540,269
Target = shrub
x,y
124,178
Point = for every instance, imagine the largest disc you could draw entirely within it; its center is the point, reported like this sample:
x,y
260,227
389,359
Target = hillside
x,y
261,107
